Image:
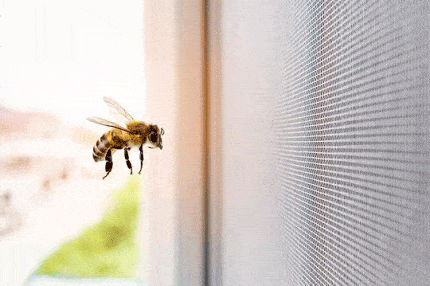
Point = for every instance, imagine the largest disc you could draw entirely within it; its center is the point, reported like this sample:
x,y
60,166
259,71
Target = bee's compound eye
x,y
153,137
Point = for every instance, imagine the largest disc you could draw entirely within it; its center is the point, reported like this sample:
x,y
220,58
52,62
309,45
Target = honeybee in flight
x,y
136,134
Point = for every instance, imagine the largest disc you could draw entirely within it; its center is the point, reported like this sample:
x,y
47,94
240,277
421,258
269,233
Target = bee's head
x,y
154,137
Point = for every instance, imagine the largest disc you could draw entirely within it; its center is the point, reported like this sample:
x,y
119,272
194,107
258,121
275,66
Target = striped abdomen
x,y
110,140
100,149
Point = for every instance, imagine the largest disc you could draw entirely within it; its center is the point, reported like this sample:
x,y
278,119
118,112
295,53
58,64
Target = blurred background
x,y
58,60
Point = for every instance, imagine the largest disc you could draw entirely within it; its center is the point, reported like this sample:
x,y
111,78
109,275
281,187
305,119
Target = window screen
x,y
351,143
324,152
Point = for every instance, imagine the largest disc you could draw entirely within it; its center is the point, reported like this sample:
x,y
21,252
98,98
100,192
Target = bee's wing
x,y
115,106
108,123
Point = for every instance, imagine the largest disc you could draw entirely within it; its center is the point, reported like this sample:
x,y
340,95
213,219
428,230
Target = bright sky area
x,y
62,57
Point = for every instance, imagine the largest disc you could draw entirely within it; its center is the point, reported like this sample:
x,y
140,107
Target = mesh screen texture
x,y
352,143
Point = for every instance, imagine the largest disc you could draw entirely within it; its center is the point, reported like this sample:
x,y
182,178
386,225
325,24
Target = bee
x,y
136,134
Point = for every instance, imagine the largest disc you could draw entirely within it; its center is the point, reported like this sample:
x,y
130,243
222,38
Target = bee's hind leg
x,y
127,160
109,163
141,158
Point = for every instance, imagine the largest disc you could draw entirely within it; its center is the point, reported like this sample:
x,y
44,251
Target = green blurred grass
x,y
106,249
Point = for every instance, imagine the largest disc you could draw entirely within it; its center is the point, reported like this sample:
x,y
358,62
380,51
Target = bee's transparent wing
x,y
115,106
108,123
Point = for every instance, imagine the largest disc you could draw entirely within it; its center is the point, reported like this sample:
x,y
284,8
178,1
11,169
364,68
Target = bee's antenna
x,y
162,131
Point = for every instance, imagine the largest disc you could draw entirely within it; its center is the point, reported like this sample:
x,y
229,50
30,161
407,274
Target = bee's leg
x,y
141,158
127,160
109,163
